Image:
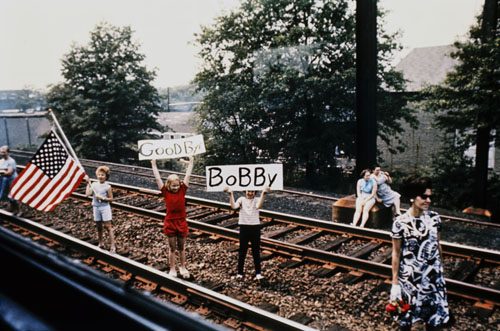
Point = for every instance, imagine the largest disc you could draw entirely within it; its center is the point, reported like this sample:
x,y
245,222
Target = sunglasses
x,y
425,196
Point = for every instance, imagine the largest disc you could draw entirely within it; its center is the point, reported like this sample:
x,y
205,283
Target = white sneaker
x,y
172,273
184,272
259,277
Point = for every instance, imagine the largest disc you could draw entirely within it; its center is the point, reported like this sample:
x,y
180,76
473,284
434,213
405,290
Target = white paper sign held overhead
x,y
170,148
244,177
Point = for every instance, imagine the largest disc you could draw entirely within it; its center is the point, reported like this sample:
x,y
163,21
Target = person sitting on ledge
x,y
366,188
385,194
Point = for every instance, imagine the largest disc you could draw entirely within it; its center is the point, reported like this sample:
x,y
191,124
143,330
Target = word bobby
x,y
244,177
170,148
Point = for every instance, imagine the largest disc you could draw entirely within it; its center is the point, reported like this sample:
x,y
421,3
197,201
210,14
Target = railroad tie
x,y
301,318
482,309
291,263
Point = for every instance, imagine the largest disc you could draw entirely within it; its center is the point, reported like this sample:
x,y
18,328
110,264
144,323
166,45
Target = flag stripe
x,y
50,177
37,188
61,185
17,184
52,185
71,187
25,193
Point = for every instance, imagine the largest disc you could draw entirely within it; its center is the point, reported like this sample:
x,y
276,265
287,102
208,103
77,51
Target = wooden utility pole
x,y
366,84
489,26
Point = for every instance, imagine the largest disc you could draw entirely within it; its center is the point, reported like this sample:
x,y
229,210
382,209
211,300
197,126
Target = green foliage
x,y
467,100
177,98
184,93
470,95
279,82
29,98
106,102
452,175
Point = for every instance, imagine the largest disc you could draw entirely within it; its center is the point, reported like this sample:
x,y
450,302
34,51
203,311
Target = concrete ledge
x,y
343,211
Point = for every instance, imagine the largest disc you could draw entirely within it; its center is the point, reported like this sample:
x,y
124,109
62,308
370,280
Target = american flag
x,y
50,176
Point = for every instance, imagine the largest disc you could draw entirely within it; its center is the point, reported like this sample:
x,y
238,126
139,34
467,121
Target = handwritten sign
x,y
245,177
170,148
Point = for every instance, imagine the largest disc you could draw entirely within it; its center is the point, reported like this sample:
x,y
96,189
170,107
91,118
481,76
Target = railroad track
x,y
301,239
199,181
334,245
357,253
227,311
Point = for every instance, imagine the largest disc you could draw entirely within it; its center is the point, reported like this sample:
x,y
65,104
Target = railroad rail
x,y
213,208
73,289
199,181
203,216
212,219
154,280
297,251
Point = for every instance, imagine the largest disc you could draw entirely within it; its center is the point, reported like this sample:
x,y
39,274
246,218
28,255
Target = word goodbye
x,y
171,148
244,177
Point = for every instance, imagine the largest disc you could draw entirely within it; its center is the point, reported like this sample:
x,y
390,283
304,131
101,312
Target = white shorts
x,y
102,213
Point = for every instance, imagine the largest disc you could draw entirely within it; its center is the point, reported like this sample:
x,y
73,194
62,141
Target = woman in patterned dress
x,y
417,270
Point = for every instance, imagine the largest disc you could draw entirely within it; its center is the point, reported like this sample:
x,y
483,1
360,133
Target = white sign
x,y
171,148
244,177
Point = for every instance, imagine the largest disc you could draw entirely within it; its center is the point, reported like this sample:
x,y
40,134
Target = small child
x,y
175,224
102,195
249,224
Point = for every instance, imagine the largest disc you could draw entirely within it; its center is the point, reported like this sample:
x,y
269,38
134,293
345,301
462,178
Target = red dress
x,y
175,223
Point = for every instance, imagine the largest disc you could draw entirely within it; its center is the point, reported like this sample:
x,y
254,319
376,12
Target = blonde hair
x,y
170,179
104,169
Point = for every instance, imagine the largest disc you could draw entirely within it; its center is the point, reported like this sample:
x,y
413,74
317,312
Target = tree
x,y
29,98
279,82
467,102
106,102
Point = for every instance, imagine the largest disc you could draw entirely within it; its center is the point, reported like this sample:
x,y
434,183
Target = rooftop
x,y
426,66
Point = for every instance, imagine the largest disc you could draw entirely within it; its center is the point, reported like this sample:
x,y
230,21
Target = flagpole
x,y
66,142
68,145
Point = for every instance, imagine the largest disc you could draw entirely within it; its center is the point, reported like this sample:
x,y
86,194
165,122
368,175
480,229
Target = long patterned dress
x,y
420,269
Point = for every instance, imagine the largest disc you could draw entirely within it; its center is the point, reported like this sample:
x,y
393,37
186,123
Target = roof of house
x,y
426,66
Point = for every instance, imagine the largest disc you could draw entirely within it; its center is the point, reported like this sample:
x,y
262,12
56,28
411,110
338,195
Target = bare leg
x,y
181,246
109,228
99,233
357,213
397,206
366,211
172,243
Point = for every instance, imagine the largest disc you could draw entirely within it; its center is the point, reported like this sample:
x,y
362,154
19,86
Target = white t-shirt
x,y
249,214
102,190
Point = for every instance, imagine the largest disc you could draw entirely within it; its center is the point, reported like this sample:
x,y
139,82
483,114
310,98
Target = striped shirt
x,y
249,214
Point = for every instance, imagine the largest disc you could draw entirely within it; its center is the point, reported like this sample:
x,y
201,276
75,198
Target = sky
x,y
35,34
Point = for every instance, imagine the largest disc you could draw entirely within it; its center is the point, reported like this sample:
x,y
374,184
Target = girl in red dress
x,y
175,224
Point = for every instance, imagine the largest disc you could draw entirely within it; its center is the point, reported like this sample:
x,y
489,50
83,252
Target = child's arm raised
x,y
189,169
231,197
156,173
260,203
88,188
